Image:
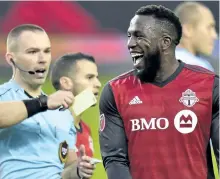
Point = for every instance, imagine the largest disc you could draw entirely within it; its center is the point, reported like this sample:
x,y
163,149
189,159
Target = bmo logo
x,y
185,122
154,123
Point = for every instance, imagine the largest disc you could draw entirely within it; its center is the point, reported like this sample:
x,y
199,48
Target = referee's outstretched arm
x,y
14,112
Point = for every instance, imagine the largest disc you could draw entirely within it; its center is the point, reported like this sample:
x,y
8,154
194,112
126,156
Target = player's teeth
x,y
136,55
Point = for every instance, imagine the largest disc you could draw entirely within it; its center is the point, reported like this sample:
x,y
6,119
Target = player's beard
x,y
151,66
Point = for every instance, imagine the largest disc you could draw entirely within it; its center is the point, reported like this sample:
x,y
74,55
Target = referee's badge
x,y
63,151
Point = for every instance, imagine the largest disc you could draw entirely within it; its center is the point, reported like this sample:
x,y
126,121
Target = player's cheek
x,y
144,44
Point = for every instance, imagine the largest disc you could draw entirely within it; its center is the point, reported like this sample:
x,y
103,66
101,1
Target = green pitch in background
x,y
91,117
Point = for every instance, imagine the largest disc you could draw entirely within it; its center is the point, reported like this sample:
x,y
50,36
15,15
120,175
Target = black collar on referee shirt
x,y
172,77
80,129
29,94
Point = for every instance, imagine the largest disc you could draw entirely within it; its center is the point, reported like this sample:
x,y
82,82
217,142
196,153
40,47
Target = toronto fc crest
x,y
189,98
102,122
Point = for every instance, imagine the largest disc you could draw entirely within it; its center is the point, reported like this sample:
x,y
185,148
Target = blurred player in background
x,y
199,34
75,73
156,120
36,139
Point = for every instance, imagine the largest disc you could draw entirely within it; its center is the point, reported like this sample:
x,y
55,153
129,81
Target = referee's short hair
x,y
64,66
16,32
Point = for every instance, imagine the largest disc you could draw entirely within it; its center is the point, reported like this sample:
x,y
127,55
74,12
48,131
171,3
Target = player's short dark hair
x,y
16,32
64,66
167,19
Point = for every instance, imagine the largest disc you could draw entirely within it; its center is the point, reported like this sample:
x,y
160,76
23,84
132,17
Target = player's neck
x,y
33,91
187,46
168,66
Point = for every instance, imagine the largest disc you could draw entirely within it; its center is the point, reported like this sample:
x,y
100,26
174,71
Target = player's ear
x,y
187,30
66,83
166,42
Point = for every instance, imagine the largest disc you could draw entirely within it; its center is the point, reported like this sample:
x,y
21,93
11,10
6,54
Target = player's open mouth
x,y
137,58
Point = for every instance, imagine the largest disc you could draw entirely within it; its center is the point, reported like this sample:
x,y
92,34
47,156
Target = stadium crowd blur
x,y
97,28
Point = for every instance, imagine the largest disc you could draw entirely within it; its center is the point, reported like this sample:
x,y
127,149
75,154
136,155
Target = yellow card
x,y
83,101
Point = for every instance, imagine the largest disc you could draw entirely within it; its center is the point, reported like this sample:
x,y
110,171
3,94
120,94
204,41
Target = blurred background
x,y
97,28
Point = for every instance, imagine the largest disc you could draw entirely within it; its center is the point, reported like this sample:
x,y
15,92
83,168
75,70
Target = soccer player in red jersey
x,y
156,120
77,72
84,137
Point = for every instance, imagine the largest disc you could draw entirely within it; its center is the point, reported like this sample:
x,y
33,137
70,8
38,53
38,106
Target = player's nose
x,y
214,34
131,43
98,83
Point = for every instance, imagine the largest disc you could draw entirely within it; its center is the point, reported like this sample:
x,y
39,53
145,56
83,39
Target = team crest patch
x,y
63,151
189,98
102,122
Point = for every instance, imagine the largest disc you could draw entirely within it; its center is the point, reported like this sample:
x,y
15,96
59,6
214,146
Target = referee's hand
x,y
85,167
60,98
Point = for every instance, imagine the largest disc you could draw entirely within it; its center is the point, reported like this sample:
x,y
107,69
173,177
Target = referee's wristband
x,y
36,105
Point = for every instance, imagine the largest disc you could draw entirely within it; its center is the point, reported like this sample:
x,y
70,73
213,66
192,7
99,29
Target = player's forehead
x,y
85,67
206,16
141,23
33,39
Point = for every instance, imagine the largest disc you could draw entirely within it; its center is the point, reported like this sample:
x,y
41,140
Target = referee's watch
x,y
43,102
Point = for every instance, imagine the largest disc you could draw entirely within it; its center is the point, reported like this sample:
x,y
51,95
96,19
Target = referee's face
x,y
32,54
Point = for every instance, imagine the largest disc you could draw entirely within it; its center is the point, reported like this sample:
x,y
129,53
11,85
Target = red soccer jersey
x,y
84,137
160,130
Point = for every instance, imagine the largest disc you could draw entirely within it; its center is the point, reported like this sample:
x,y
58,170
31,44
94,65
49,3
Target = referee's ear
x,y
9,57
66,84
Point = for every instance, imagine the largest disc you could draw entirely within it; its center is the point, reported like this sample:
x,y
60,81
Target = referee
x,y
37,140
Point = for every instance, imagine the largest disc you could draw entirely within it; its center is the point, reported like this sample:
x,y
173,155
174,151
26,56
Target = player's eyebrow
x,y
135,32
47,49
212,24
92,75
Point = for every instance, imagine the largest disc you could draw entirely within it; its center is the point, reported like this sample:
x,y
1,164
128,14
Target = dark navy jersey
x,y
160,130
